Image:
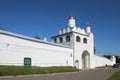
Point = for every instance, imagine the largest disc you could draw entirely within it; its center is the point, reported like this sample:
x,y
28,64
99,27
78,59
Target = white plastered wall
x,y
13,50
102,61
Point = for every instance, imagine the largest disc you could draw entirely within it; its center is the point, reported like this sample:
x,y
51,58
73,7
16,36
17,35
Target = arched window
x,y
61,39
67,38
55,40
78,39
77,63
84,40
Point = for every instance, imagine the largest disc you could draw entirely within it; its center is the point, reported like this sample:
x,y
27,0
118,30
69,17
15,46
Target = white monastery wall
x,y
13,50
102,61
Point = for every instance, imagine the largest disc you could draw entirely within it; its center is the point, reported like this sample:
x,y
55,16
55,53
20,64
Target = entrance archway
x,y
85,60
77,64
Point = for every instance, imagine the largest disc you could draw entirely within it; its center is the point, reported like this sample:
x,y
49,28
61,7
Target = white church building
x,y
73,46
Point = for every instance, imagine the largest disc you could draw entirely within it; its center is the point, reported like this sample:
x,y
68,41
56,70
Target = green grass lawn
x,y
21,70
115,76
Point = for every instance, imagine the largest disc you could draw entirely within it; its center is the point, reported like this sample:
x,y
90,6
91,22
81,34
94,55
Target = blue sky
x,y
47,17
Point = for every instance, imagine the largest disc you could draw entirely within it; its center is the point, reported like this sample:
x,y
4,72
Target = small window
x,y
71,55
61,39
78,39
55,40
84,40
67,38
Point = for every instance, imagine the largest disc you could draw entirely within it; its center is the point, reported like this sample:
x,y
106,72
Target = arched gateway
x,y
85,60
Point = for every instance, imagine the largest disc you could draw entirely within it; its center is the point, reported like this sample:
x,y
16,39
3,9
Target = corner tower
x,y
80,40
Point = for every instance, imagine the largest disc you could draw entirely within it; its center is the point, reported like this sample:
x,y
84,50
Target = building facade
x,y
73,46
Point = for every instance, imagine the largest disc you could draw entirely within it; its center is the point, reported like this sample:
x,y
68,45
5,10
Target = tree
x,y
117,59
1,28
107,56
94,50
37,37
